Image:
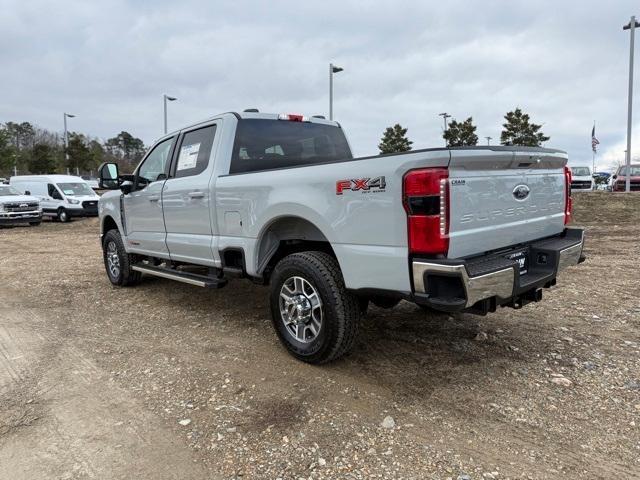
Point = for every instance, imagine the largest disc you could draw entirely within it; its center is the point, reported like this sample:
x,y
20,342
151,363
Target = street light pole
x,y
66,138
444,116
631,26
170,99
332,69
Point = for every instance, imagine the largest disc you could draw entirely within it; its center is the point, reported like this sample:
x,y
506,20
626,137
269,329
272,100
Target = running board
x,y
185,277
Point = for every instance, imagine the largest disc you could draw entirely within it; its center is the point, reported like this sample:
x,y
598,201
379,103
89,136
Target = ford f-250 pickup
x,y
281,200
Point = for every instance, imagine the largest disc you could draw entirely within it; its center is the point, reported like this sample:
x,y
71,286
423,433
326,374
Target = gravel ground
x,y
178,382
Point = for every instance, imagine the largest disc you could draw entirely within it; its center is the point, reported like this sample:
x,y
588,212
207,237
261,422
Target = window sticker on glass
x,y
188,156
68,192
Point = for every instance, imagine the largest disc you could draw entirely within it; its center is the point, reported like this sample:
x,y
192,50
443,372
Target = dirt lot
x,y
166,380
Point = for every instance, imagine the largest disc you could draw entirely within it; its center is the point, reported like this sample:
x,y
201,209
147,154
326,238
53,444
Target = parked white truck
x,y
280,199
18,208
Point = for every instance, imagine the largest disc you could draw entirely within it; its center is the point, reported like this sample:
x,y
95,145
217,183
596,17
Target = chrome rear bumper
x,y
467,283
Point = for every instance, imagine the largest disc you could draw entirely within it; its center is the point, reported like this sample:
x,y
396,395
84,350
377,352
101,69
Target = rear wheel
x,y
63,215
117,261
314,315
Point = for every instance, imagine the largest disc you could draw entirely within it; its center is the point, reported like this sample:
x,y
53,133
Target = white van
x,y
61,196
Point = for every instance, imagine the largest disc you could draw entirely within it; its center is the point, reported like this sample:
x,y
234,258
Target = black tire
x,y
339,308
385,302
124,276
34,224
63,215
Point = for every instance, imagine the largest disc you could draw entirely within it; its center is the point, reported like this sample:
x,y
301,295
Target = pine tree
x,y
519,131
43,159
395,140
461,134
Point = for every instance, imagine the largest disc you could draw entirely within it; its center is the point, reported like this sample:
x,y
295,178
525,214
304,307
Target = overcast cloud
x,y
564,62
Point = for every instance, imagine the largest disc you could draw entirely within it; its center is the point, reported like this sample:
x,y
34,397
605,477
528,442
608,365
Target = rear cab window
x,y
263,144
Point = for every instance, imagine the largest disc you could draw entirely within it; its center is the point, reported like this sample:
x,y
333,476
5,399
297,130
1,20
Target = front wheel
x,y
314,315
63,215
117,261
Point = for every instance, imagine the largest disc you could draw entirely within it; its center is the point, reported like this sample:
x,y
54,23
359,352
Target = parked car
x,y
581,178
18,208
92,182
61,196
281,200
4,181
619,179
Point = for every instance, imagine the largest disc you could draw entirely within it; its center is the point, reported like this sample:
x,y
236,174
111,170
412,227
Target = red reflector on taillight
x,y
424,235
568,203
427,233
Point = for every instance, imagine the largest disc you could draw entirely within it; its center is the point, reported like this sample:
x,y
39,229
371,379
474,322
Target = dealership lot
x,y
167,380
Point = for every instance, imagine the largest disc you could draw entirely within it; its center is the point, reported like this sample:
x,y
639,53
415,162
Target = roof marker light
x,y
293,117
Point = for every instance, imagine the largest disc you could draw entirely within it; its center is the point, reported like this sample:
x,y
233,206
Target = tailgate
x,y
501,197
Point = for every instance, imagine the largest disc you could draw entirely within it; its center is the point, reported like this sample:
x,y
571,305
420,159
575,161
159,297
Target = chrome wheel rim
x,y
113,260
300,309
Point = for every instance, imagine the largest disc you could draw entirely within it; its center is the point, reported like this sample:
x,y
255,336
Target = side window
x,y
194,152
155,164
53,192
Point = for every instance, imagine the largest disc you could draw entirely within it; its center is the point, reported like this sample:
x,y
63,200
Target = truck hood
x,y
18,199
84,198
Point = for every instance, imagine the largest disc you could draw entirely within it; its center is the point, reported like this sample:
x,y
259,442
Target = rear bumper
x,y
483,283
10,218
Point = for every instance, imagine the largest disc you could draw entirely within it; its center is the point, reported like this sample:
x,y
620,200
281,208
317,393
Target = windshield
x,y
6,190
635,171
580,171
75,189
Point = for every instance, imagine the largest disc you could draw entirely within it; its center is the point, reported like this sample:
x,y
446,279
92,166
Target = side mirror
x,y
126,187
27,192
614,177
108,176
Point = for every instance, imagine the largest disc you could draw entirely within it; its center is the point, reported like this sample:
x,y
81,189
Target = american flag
x,y
594,141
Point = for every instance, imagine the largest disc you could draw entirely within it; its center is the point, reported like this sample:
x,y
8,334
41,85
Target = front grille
x,y
21,207
581,184
90,205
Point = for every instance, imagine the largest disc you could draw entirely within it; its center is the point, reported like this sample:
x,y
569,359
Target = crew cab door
x,y
143,206
187,197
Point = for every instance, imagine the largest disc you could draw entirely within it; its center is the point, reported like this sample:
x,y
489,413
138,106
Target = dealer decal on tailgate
x,y
365,185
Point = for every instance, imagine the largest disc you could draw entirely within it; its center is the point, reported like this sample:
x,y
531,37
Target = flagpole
x,y
593,150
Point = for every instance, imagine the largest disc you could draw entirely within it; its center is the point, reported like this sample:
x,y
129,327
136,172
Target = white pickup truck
x,y
280,199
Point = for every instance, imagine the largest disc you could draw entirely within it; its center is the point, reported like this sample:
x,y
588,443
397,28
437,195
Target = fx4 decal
x,y
366,185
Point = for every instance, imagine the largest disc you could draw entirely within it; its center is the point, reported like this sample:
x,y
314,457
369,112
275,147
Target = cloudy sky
x,y
109,62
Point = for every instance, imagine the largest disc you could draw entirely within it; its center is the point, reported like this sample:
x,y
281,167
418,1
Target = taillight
x,y
568,204
426,200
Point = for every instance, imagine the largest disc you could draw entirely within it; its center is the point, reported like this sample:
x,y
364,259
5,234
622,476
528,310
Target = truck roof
x,y
253,115
50,178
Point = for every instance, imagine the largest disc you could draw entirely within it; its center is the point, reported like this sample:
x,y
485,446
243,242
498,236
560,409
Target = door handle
x,y
196,194
154,198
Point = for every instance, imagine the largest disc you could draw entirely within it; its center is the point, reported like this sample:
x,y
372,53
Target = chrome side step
x,y
184,277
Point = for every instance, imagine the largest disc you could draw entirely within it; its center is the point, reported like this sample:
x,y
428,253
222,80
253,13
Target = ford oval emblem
x,y
521,192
